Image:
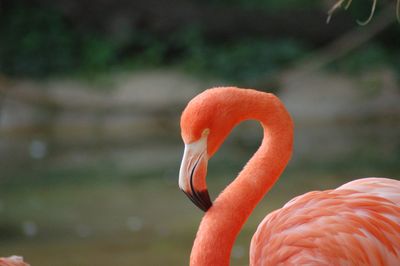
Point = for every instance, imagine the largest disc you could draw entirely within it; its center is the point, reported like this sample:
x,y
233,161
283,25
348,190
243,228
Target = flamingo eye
x,y
205,132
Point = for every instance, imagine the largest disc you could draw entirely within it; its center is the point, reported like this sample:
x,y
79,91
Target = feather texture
x,y
355,224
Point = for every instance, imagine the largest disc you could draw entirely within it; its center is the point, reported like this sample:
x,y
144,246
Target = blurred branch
x,y
347,42
340,3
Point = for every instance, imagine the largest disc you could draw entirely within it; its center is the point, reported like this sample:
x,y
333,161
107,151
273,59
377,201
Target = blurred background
x,y
91,94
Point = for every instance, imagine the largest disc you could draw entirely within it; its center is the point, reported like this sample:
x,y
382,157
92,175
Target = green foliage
x,y
97,54
369,57
35,42
244,61
272,5
41,42
144,50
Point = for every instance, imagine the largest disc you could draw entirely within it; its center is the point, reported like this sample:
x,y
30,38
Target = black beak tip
x,y
200,198
204,200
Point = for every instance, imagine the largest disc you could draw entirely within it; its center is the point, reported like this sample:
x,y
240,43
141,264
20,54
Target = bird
x,y
13,261
357,223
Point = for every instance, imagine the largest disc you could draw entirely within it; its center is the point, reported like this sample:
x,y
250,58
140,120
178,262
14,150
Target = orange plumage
x,y
355,224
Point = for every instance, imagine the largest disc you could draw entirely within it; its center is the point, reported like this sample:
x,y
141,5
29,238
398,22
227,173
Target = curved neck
x,y
224,220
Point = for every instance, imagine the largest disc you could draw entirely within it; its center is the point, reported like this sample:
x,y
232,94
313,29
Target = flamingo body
x,y
355,224
345,226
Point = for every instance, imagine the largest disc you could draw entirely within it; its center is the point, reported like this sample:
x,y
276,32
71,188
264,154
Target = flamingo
x,y
13,261
355,224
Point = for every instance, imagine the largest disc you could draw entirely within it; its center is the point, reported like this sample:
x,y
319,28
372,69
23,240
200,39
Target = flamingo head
x,y
205,124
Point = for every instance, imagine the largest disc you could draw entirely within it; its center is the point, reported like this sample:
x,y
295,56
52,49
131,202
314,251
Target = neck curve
x,y
223,221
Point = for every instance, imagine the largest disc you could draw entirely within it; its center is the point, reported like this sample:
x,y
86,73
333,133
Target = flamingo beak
x,y
193,171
